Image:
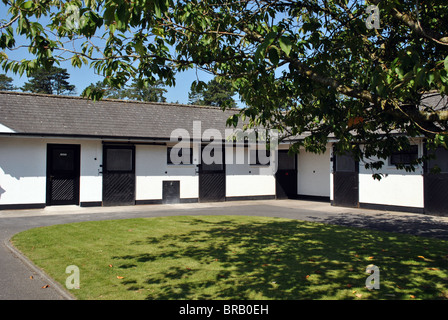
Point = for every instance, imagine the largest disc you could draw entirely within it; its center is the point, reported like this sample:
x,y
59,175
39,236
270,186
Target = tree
x,y
51,80
214,93
313,66
142,91
101,89
136,91
6,83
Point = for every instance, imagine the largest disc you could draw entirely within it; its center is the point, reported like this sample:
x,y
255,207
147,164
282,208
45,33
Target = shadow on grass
x,y
287,259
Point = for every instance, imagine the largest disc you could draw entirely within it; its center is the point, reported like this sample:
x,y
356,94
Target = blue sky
x,y
82,77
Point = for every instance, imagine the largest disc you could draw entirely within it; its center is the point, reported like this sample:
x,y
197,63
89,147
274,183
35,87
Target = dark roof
x,y
52,115
31,114
434,100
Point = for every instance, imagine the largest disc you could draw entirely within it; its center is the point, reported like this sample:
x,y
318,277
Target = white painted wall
x,y
23,172
91,181
313,173
397,187
23,175
243,179
23,169
151,170
5,129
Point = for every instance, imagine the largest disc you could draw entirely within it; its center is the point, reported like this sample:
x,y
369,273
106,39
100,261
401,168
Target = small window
x,y
179,155
345,163
120,159
404,156
212,159
286,161
260,157
440,161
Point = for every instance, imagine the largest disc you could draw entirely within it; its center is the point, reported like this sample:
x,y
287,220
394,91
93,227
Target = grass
x,y
236,257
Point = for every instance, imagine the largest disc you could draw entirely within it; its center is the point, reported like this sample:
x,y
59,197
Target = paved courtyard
x,y
21,280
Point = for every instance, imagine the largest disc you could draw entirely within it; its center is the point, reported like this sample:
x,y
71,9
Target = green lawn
x,y
236,257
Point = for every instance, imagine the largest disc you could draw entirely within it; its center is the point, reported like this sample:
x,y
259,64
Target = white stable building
x,y
57,150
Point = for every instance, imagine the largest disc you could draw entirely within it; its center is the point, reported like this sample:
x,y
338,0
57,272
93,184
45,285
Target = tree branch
x,y
6,25
343,89
417,28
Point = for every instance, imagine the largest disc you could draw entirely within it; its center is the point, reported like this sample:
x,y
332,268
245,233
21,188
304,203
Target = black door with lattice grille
x,y
212,175
436,183
63,165
118,175
345,181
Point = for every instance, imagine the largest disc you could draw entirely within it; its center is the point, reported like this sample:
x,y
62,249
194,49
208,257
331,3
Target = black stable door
x,y
118,175
345,181
63,167
212,175
286,176
436,183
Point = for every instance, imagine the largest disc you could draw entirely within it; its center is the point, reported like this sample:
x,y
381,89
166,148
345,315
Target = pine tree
x,y
141,92
136,91
6,83
215,93
49,81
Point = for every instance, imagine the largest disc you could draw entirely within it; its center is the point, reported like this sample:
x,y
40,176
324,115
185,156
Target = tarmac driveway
x,y
20,279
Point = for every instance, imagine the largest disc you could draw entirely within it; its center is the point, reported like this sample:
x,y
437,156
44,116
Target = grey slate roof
x,y
435,101
38,114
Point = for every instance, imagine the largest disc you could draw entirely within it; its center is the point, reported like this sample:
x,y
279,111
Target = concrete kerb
x,y
30,265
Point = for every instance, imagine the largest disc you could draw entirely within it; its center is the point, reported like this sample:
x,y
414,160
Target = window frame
x,y
412,153
107,164
257,162
168,158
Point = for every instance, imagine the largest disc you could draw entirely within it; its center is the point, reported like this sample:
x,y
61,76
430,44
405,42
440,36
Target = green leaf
x,y
445,62
430,78
112,27
86,92
198,85
261,50
285,45
109,15
28,5
160,7
273,55
400,72
444,76
440,140
76,61
420,78
380,89
232,121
